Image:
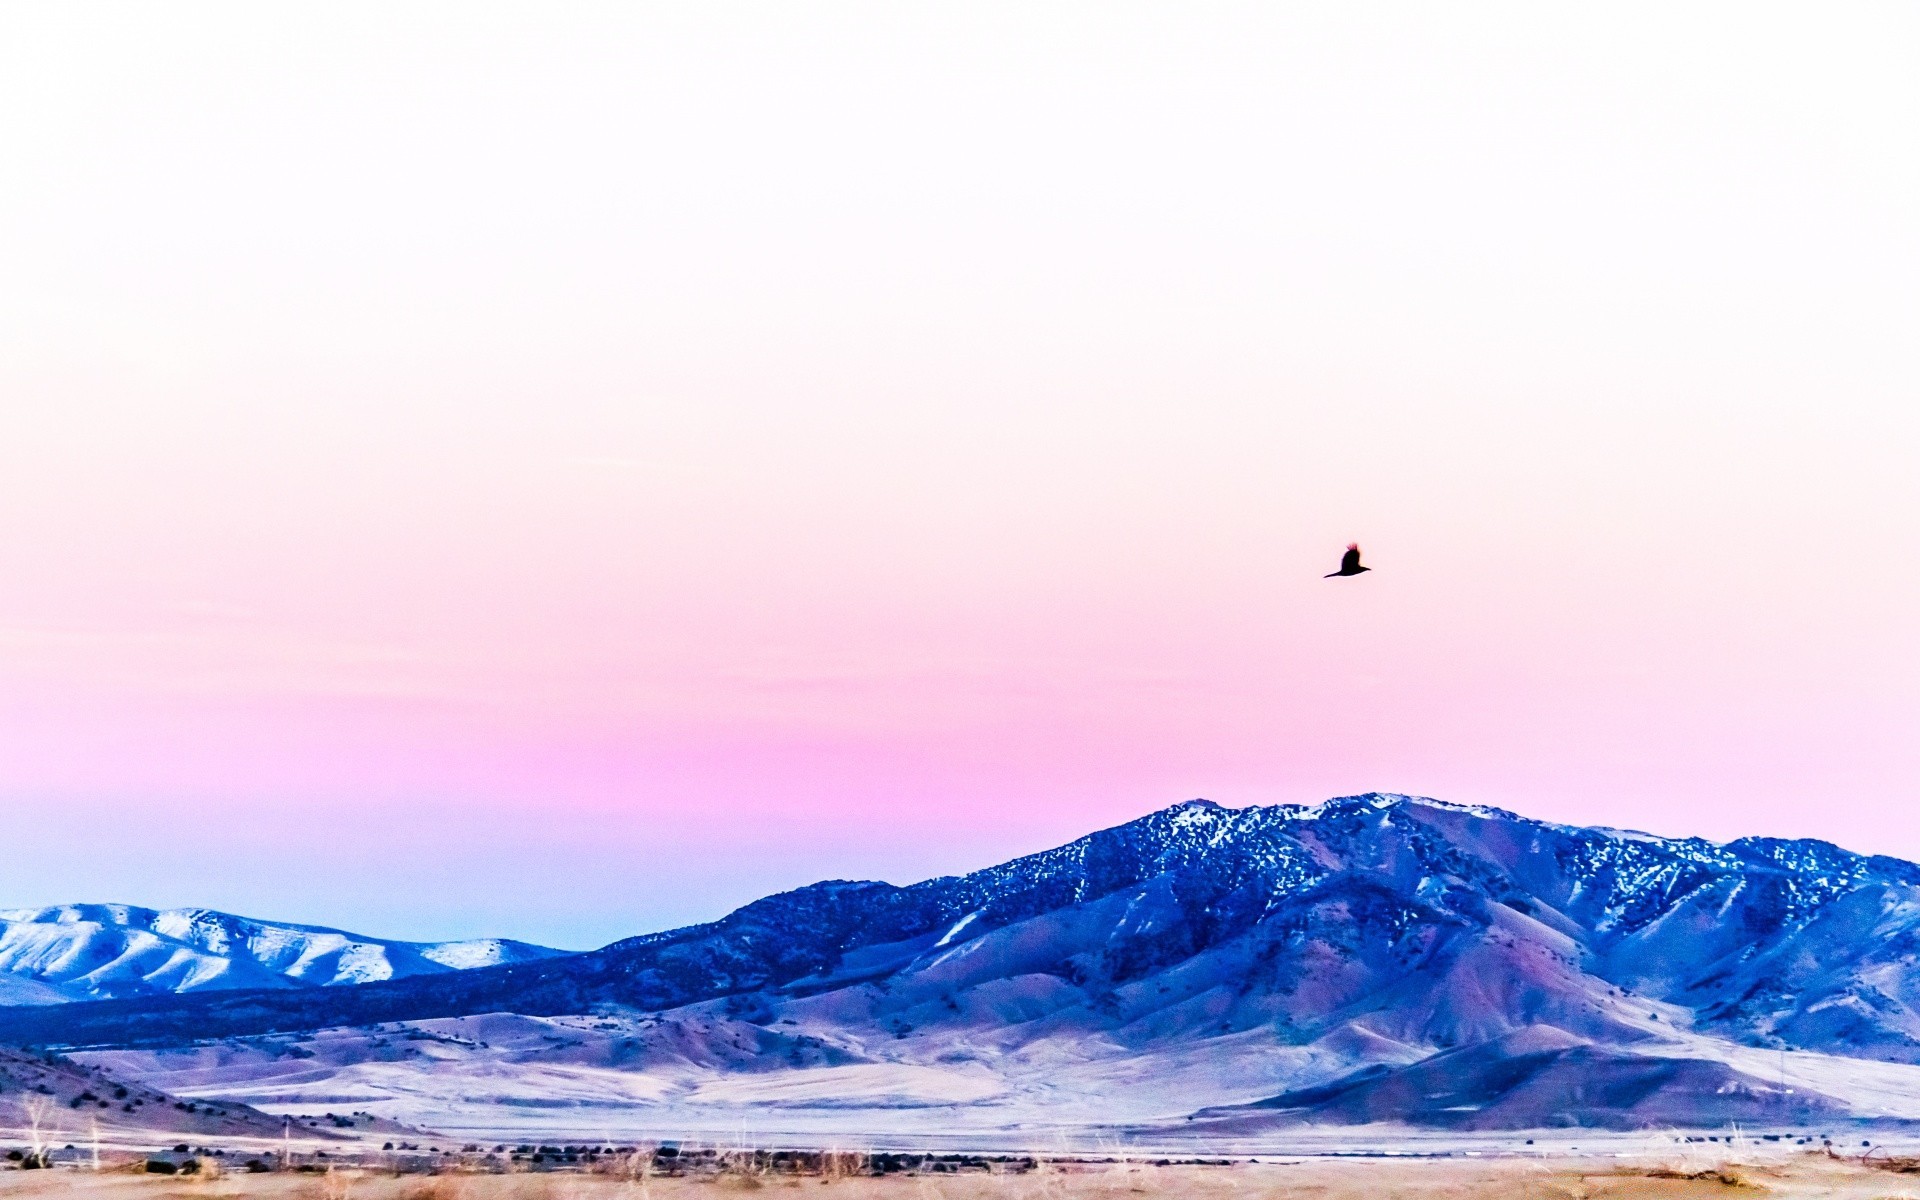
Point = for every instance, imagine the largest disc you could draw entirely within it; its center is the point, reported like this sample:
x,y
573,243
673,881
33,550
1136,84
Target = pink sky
x,y
483,471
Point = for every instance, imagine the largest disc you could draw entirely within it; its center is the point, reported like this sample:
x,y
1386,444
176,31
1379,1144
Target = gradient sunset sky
x,y
560,471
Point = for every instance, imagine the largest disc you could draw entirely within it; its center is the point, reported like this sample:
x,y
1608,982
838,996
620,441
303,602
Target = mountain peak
x,y
1372,800
1193,812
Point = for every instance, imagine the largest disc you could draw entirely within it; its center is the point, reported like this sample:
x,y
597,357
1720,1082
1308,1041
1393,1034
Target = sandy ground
x,y
1794,1175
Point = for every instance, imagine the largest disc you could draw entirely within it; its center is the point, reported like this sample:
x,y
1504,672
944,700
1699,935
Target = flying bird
x,y
1349,562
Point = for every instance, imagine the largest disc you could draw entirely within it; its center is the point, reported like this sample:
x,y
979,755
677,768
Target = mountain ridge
x,y
81,952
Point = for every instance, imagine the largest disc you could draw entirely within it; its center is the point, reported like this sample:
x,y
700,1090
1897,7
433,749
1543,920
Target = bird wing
x,y
1351,558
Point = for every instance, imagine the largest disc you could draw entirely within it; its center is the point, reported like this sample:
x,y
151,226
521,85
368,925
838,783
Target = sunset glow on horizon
x,y
566,478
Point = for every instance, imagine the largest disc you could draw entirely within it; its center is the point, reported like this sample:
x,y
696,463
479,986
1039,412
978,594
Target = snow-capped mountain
x,y
99,951
1368,958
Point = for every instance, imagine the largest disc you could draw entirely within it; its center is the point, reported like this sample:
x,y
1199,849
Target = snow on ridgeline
x,y
107,951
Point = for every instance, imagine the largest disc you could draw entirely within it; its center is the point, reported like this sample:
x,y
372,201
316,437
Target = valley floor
x,y
1672,1177
698,1073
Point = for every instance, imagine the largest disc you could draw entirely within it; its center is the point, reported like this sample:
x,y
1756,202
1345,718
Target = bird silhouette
x,y
1349,562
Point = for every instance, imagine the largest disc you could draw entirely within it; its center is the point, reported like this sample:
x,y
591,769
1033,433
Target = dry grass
x,y
843,1177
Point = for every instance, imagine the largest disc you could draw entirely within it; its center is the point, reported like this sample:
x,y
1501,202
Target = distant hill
x,y
103,951
76,1099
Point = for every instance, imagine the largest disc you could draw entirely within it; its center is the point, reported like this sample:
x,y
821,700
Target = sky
x,y
565,471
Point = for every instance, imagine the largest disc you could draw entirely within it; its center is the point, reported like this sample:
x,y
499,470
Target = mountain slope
x,y
67,1100
1534,1079
102,951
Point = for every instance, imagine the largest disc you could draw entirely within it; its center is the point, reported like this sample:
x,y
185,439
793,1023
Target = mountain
x,y
1199,968
101,951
